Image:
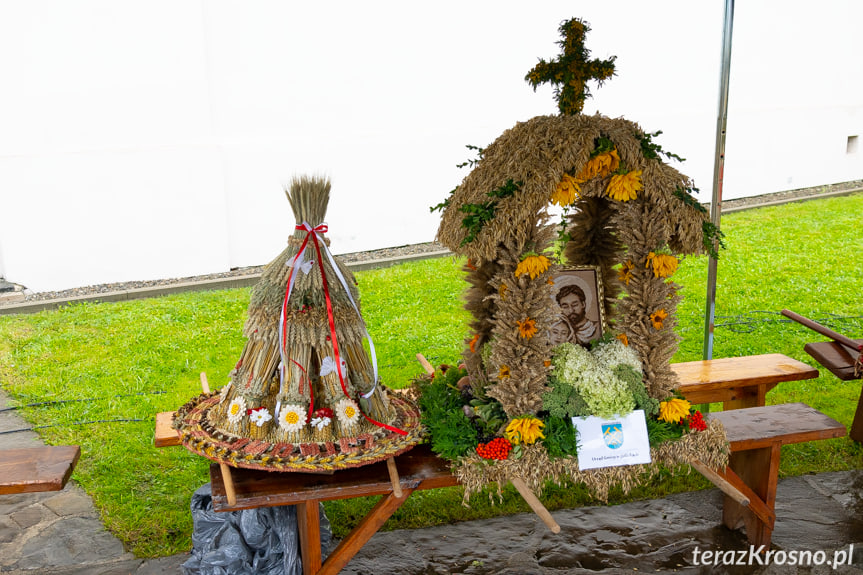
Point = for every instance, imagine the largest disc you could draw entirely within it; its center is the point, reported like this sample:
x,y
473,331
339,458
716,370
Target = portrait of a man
x,y
578,314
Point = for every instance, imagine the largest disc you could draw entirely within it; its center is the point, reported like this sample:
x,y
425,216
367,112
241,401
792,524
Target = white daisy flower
x,y
237,409
260,416
347,412
223,393
320,422
292,417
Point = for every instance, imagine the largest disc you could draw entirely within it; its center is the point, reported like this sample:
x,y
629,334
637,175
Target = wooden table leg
x,y
309,527
759,469
856,432
748,397
354,541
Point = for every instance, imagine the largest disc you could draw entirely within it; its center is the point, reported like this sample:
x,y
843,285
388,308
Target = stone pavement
x,y
60,533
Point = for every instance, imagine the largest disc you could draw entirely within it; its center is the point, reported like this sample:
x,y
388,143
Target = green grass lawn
x,y
121,363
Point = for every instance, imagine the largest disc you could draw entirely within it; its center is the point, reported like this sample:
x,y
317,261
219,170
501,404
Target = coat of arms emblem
x,y
612,433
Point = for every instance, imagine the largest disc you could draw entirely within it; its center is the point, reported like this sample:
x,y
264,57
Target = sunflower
x,y
566,191
600,165
624,274
292,417
526,328
624,187
674,410
347,412
657,317
524,429
533,265
237,409
663,265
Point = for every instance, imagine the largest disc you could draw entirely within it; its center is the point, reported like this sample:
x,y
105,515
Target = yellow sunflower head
x,y
526,328
624,187
532,265
674,410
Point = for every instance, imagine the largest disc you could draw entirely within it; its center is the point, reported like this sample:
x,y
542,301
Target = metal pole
x,y
718,171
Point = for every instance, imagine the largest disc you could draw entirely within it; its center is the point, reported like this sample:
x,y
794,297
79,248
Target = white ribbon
x,y
298,261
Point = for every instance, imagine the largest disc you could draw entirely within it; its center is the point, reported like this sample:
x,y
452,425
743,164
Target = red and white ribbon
x,y
313,233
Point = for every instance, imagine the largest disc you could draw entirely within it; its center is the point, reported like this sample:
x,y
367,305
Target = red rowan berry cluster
x,y
696,422
497,448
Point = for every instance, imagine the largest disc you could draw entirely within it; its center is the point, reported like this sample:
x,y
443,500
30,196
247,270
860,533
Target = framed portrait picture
x,y
577,296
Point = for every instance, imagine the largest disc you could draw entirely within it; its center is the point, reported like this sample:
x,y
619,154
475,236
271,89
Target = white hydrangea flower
x,y
237,409
347,412
292,417
614,353
260,416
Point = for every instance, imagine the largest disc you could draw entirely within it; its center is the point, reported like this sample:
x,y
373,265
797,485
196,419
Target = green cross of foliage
x,y
571,71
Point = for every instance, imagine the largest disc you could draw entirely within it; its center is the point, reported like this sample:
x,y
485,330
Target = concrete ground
x,y
60,533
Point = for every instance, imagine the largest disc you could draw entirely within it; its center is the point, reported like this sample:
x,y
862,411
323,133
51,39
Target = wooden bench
x,y
738,381
756,435
839,359
35,469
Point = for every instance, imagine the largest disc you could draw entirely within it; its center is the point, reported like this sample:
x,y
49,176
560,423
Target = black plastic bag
x,y
262,541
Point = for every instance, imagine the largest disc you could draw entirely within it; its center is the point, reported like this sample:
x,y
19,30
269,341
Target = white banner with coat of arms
x,y
612,442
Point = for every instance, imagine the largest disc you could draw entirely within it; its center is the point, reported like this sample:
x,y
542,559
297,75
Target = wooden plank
x,y
37,468
757,427
419,469
360,535
755,503
309,528
165,436
722,483
759,470
835,357
727,379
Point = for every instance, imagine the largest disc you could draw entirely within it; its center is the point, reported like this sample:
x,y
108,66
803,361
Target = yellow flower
x,y
566,191
526,328
657,317
504,372
663,265
673,410
502,291
600,165
524,429
624,274
623,339
533,265
472,343
624,187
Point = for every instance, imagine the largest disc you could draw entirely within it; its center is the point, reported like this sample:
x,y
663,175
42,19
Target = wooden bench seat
x,y
756,435
35,469
738,381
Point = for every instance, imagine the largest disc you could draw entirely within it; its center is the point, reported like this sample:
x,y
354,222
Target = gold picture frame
x,y
579,313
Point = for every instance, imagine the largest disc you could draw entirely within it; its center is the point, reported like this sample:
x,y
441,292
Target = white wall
x,y
142,140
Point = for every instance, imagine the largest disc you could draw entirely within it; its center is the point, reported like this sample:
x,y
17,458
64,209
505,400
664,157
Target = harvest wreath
x,y
304,396
507,411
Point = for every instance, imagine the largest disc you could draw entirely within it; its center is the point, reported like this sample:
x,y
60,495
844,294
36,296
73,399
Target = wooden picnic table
x,y
756,433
